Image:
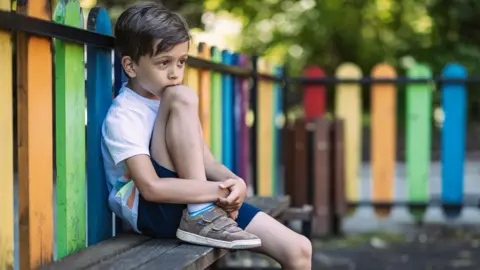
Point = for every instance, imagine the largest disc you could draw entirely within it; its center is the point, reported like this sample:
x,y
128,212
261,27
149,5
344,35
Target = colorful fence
x,y
54,143
383,130
241,123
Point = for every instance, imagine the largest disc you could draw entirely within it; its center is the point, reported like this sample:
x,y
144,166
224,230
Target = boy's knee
x,y
300,255
181,97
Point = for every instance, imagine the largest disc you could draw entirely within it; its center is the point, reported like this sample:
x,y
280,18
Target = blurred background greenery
x,y
328,32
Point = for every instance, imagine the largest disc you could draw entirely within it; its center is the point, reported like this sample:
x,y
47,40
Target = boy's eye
x,y
163,63
183,61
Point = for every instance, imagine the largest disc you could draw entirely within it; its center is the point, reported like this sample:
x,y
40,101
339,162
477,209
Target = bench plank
x,y
139,255
102,251
186,256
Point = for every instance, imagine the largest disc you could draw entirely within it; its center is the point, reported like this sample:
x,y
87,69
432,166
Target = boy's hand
x,y
238,192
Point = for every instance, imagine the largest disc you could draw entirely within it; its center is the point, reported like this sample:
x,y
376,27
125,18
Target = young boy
x,y
162,178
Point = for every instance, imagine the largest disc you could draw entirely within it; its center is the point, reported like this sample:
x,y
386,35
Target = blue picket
x,y
228,113
453,136
236,83
99,98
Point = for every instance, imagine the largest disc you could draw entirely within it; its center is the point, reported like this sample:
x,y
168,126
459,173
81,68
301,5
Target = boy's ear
x,y
128,66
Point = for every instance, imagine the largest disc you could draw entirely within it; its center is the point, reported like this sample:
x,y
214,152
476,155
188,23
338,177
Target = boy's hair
x,y
143,24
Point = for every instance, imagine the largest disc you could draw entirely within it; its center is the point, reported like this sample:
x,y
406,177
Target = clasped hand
x,y
232,203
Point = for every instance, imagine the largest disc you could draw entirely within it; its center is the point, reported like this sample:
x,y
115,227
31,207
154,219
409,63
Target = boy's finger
x,y
223,200
227,184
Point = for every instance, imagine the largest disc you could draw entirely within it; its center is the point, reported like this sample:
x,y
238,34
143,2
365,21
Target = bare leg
x,y
177,144
293,251
176,141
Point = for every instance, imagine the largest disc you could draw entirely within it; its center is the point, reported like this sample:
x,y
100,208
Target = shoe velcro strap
x,y
217,224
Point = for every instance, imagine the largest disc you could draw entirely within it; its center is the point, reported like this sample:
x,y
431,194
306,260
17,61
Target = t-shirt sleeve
x,y
124,134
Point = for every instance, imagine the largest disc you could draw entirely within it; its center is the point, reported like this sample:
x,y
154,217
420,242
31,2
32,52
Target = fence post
x,y
418,137
70,134
383,138
254,128
204,94
227,111
35,141
348,106
337,174
454,97
99,98
321,195
216,107
6,144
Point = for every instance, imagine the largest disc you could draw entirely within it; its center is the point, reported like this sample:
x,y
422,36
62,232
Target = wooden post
x,y
99,97
300,197
70,134
337,175
216,107
35,141
6,144
321,177
204,93
384,116
227,111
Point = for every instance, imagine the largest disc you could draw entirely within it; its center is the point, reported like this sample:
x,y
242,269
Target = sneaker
x,y
214,228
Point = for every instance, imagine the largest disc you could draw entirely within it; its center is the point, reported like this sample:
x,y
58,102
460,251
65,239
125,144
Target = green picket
x,y
418,118
70,134
216,108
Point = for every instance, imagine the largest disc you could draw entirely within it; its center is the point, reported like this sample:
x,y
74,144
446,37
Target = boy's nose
x,y
172,76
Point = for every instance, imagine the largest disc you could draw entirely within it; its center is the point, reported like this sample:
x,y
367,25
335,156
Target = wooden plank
x,y
338,167
243,138
418,139
192,74
6,144
348,106
278,124
264,119
97,253
216,107
144,253
289,158
454,106
300,188
99,97
204,93
35,142
227,111
322,186
185,257
70,134
314,96
383,140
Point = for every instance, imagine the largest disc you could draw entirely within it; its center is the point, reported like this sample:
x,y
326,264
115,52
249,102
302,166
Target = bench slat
x,y
102,251
139,255
185,257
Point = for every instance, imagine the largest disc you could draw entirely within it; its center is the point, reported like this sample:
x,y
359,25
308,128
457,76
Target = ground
x,y
423,248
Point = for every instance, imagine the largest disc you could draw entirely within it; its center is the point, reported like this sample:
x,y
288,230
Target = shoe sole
x,y
202,240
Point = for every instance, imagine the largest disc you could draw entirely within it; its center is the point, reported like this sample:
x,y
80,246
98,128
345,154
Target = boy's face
x,y
155,73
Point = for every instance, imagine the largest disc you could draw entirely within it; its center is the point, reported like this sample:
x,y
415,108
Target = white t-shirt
x,y
126,132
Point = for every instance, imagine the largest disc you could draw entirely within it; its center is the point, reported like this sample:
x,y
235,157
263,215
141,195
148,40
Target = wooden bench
x,y
133,251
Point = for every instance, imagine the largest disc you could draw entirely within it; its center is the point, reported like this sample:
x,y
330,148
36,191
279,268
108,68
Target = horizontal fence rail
x,y
369,80
18,22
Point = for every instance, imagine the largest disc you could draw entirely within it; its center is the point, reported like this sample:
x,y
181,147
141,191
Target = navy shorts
x,y
161,220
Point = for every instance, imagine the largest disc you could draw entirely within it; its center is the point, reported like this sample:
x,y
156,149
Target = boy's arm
x,y
171,190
